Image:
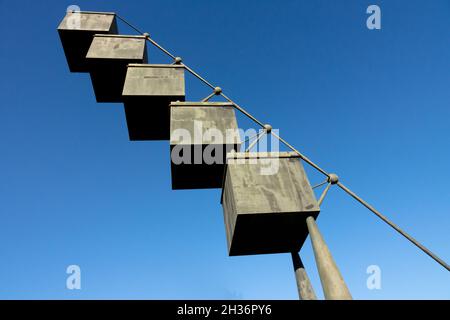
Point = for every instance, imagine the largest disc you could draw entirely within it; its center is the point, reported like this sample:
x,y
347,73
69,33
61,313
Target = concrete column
x,y
305,289
333,285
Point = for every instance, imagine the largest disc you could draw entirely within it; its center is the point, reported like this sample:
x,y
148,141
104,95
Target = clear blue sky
x,y
372,106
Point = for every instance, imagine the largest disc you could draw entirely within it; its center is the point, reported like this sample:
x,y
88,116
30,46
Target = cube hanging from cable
x,y
201,135
108,58
77,31
148,91
266,199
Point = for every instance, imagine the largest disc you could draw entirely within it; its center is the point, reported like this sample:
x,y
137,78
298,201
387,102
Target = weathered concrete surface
x,y
213,130
147,93
76,32
304,286
117,47
266,213
209,116
333,284
108,58
155,80
88,21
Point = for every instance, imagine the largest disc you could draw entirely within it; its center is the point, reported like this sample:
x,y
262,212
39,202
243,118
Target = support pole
x,y
305,289
333,285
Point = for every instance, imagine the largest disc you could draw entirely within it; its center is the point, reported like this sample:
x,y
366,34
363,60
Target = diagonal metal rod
x,y
251,137
242,110
160,47
324,193
302,156
129,24
319,184
190,70
258,137
208,97
394,226
195,74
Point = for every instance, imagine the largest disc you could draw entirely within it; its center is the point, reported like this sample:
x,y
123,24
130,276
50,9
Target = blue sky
x,y
372,106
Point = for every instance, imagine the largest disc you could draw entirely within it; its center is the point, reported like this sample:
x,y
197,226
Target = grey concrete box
x,y
266,199
76,32
213,132
147,93
108,58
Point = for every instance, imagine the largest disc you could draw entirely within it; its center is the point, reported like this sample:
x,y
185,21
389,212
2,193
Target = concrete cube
x,y
201,134
108,58
266,199
77,31
148,91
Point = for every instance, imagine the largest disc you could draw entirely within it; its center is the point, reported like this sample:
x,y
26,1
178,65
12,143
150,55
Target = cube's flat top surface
x,y
155,81
116,47
93,12
270,185
121,36
203,125
146,65
261,155
200,104
81,21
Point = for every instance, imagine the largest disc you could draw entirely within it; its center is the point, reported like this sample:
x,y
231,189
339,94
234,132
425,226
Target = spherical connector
x,y
333,178
217,90
268,128
178,60
146,35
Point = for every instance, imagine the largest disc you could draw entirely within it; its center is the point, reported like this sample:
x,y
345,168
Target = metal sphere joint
x,y
146,35
178,60
268,128
217,90
333,178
